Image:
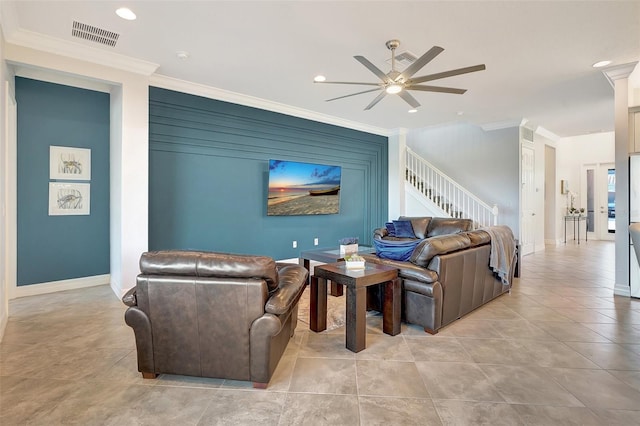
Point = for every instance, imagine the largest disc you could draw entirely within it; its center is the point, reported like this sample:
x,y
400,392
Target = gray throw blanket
x,y
503,249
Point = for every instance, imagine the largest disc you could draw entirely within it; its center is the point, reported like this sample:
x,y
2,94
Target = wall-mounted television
x,y
303,188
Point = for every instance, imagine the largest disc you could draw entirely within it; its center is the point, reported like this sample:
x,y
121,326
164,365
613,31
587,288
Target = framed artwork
x,y
66,199
68,163
303,188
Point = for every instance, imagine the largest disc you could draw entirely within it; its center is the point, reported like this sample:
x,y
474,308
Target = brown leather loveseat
x,y
213,314
448,273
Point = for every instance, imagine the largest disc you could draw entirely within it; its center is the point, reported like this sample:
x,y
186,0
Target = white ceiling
x,y
538,54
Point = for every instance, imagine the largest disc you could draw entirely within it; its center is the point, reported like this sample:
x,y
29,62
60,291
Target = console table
x,y
576,224
356,281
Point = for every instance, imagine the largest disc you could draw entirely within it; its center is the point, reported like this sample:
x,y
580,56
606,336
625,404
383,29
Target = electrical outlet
x,y
295,244
315,241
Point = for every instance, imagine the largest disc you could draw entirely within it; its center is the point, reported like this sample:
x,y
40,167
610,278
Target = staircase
x,y
450,197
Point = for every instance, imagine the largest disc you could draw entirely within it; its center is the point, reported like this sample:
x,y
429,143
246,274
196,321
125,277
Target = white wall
x,y
396,164
571,154
552,188
487,163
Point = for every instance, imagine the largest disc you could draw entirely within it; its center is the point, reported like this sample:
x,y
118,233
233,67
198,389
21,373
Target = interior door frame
x,y
600,226
527,199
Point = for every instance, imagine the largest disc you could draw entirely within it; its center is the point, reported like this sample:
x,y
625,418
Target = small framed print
x,y
67,199
68,163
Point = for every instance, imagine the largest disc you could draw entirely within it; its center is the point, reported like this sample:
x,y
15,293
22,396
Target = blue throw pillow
x,y
403,229
395,250
391,231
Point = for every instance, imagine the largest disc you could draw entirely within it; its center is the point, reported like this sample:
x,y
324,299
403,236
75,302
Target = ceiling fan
x,y
396,82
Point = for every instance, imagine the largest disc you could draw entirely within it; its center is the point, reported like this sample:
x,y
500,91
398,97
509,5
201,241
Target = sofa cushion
x,y
210,264
427,249
419,224
391,230
447,225
478,237
403,229
395,250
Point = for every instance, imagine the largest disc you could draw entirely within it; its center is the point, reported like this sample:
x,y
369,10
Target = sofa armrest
x,y
139,321
129,297
405,269
292,280
379,233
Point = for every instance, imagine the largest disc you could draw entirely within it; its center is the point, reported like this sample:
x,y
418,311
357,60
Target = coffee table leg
x,y
356,318
336,289
318,304
307,265
391,308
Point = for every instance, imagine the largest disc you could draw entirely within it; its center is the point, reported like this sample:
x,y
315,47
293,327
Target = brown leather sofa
x,y
213,314
448,274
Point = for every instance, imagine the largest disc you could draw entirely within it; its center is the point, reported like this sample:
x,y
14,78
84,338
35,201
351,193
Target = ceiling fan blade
x,y
437,89
420,62
409,99
364,61
376,100
350,82
353,94
446,74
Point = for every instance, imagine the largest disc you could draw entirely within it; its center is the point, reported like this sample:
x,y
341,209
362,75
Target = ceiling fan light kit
x,y
399,83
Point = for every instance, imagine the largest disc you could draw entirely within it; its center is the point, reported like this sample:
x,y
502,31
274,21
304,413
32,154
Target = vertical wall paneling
x,y
54,248
208,177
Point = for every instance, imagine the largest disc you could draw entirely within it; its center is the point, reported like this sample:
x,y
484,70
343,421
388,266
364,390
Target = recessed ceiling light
x,y
601,64
126,13
181,54
319,78
460,112
411,111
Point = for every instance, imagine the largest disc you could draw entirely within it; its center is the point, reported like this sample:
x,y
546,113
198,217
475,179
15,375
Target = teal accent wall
x,y
53,248
208,177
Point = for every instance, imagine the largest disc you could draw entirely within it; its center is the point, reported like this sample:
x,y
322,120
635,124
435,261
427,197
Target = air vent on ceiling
x,y
404,59
91,33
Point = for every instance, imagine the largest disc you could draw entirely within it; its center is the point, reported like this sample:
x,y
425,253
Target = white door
x,y
597,196
527,200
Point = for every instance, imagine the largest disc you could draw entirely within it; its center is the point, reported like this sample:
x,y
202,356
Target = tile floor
x,y
559,350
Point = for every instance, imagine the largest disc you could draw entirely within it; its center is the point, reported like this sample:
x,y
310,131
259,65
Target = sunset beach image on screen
x,y
303,188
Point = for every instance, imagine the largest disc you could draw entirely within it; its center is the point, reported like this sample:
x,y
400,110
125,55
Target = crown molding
x,y
547,134
170,83
400,131
79,51
618,72
500,125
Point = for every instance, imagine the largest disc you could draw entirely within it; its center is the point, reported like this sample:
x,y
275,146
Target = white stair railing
x,y
446,193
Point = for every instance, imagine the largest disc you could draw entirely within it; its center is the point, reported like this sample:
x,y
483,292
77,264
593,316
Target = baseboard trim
x,y
3,324
53,286
622,290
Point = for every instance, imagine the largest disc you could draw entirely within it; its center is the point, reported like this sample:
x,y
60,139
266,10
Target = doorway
x,y
527,199
598,191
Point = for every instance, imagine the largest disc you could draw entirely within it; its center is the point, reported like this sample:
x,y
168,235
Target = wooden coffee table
x,y
329,255
356,281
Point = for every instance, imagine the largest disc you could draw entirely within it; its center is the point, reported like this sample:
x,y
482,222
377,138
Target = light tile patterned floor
x,y
559,350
